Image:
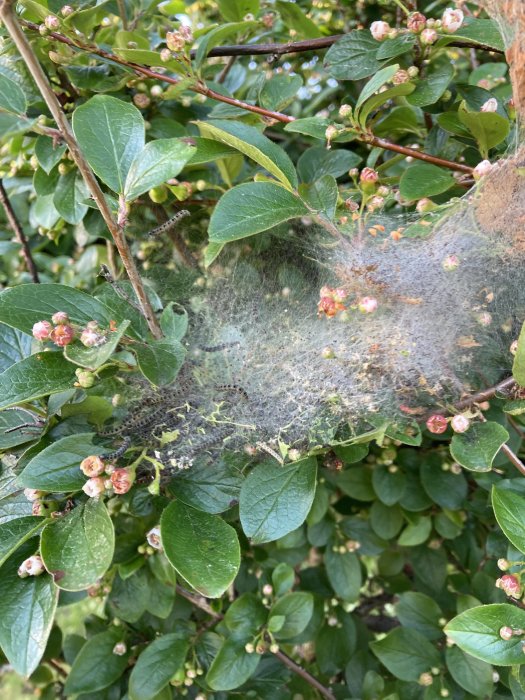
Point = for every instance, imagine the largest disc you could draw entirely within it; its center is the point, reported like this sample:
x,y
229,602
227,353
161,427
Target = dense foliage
x,y
140,142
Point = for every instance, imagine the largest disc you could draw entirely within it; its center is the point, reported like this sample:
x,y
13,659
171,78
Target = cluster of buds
x,y
510,584
176,41
34,566
331,301
437,424
61,331
104,477
417,23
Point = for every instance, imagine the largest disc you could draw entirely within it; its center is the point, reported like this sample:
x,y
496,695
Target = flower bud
x,y
452,20
345,111
400,77
450,263
92,466
153,537
121,481
94,487
274,648
490,105
90,338
85,379
460,423
249,648
330,132
424,205
60,318
186,33
42,330
383,191
141,100
34,566
429,37
175,41
482,169
66,11
367,305
510,585
351,205
165,55
375,203
416,22
436,424
506,633
119,649
425,679
33,494
52,22
62,335
267,589
380,30
504,564
413,71
513,347
484,318
352,545
369,175
268,20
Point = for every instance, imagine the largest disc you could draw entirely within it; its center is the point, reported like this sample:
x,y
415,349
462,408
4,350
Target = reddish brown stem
x,y
413,153
486,394
19,233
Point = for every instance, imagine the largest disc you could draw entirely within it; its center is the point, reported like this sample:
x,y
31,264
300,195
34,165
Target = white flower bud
x,y
380,30
452,20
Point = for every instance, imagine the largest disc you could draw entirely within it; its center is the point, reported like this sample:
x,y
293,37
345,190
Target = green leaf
x,y
518,366
471,674
160,360
14,533
390,48
382,98
476,631
311,126
432,86
27,609
110,132
294,18
488,128
156,665
344,573
446,488
14,506
276,499
479,31
57,467
279,92
283,578
318,161
477,448
420,612
249,141
12,98
78,548
353,57
39,375
23,306
14,346
416,532
201,547
96,666
232,666
425,180
174,324
10,435
207,150
95,357
252,208
406,653
235,10
509,507
297,609
159,161
245,616
70,196
210,485
374,84
215,36
321,195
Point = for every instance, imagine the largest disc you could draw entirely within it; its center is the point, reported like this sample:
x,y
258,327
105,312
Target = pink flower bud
x,y
416,22
165,55
267,589
452,20
510,585
90,338
375,203
92,466
175,41
62,335
429,37
268,20
490,105
367,305
424,205
351,205
120,649
38,508
153,537
60,318
482,169
450,263
52,22
369,175
339,294
94,487
504,564
34,566
42,330
380,30
186,33
460,424
122,481
66,11
401,76
436,424
506,633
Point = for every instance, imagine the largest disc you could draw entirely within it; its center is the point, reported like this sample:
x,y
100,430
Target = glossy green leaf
x,y
14,533
158,162
156,665
425,180
70,196
478,31
245,616
473,675
375,83
344,573
39,375
382,98
78,548
96,666
416,532
57,467
201,547
406,653
160,360
27,609
488,128
353,57
14,428
235,10
509,508
476,631
296,609
111,135
390,48
420,612
430,88
310,126
294,18
12,98
477,448
14,346
321,195
319,161
232,666
275,499
208,150
210,485
252,208
279,92
249,141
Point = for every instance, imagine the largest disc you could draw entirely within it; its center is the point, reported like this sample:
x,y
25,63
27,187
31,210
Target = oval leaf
x,y
509,508
157,664
477,448
232,666
406,653
96,666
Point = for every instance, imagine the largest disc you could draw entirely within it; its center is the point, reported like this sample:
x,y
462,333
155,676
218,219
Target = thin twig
x,y
202,89
19,233
486,394
23,46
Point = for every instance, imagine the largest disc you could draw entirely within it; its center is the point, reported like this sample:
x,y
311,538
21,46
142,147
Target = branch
x,y
486,394
266,113
23,46
20,235
309,45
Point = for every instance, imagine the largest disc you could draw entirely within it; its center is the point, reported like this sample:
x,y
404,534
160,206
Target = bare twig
x,y
486,394
23,46
20,235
